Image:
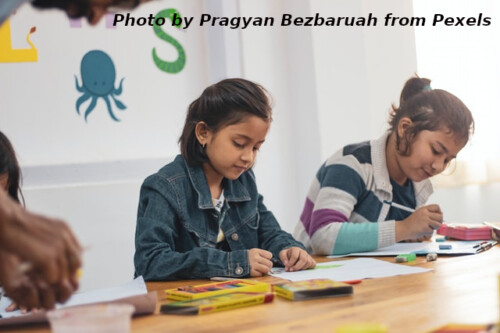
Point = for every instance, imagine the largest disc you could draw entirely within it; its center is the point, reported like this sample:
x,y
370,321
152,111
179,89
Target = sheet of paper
x,y
457,248
494,225
134,292
353,269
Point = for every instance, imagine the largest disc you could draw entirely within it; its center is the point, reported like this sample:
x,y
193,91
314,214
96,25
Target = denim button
x,y
238,270
235,237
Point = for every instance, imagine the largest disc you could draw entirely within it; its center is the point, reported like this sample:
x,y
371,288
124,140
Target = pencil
x,y
393,204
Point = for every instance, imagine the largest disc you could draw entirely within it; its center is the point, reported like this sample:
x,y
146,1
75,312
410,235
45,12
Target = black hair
x,y
222,104
9,166
429,109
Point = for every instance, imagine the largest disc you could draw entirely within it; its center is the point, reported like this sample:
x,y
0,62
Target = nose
x,y
247,156
438,165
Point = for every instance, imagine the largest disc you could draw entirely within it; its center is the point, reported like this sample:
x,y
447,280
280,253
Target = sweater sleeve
x,y
329,216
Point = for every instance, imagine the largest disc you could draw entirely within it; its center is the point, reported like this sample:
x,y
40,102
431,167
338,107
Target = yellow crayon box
x,y
314,288
216,288
216,303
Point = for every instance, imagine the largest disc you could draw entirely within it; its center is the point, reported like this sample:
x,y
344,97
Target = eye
x,y
238,145
256,148
435,151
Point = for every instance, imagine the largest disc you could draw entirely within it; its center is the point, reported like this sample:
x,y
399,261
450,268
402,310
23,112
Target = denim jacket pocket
x,y
251,221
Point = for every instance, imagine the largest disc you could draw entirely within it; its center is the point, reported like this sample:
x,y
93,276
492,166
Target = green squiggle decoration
x,y
169,66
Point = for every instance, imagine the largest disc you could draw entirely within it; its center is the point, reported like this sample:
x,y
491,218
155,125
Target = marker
x,y
444,247
487,246
393,204
353,281
479,245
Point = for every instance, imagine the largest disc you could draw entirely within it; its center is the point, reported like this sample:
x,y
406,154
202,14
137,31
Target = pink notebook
x,y
465,231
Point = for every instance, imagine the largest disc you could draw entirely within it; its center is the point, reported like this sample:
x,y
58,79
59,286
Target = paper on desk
x,y
134,292
457,248
353,269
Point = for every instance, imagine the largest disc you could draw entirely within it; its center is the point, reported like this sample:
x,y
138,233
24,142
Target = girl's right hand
x,y
260,262
420,223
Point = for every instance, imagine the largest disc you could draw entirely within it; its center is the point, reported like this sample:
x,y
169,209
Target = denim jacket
x,y
177,226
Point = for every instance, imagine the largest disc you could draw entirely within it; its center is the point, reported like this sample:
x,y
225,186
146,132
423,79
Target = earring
x,y
203,145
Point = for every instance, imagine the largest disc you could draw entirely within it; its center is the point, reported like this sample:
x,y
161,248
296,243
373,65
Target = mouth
x,y
427,174
240,168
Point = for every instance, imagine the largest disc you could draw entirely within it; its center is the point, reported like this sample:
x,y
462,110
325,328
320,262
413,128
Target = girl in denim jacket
x,y
201,215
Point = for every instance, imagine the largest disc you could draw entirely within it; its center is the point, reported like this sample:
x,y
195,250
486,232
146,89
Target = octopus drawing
x,y
98,80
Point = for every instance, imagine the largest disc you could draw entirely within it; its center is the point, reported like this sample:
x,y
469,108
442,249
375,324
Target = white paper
x,y
494,225
457,248
353,269
134,292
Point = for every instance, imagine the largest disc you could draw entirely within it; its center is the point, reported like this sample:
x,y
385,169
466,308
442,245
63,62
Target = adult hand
x,y
25,289
420,224
296,259
260,262
47,245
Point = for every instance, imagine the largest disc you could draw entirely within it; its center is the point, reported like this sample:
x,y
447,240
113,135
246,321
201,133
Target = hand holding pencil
x,y
420,224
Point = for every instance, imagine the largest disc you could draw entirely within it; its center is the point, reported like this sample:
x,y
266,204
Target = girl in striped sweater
x,y
350,206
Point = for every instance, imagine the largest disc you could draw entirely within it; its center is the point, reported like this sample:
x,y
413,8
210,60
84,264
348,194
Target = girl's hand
x,y
495,234
420,224
296,259
421,239
260,262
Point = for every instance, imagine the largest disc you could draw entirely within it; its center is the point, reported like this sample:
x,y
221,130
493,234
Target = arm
x,y
271,237
332,198
159,224
47,246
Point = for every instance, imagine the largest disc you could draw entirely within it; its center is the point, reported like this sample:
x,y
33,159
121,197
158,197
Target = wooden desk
x,y
459,290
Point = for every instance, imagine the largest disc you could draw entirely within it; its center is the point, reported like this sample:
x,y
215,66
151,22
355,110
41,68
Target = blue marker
x,y
444,247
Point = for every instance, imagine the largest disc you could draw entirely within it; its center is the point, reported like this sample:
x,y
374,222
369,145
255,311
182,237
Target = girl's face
x,y
232,149
4,181
430,153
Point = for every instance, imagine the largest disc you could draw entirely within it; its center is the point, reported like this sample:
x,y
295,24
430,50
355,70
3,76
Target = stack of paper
x,y
134,293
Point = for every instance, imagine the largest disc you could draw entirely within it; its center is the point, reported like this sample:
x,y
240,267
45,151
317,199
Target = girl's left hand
x,y
296,259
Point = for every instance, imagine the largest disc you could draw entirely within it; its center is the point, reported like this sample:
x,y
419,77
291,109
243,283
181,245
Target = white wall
x,y
359,70
464,61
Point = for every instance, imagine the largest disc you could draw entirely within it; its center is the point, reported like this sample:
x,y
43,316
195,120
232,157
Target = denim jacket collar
x,y
233,189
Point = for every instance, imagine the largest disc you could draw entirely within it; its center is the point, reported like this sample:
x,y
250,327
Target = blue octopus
x,y
98,78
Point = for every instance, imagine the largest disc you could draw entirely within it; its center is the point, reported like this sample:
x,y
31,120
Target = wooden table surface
x,y
460,289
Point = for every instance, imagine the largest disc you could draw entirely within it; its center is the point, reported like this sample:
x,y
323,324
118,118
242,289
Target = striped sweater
x,y
344,210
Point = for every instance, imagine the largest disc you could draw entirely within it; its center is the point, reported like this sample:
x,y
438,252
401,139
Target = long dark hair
x,y
429,109
10,166
222,104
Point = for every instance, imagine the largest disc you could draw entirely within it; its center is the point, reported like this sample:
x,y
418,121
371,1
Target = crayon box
x,y
315,288
216,288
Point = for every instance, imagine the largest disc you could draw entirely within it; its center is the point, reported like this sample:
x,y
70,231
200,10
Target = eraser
x,y
444,247
401,258
407,256
431,256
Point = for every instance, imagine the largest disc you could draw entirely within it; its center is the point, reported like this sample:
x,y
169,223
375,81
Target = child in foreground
x,y
351,204
201,215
